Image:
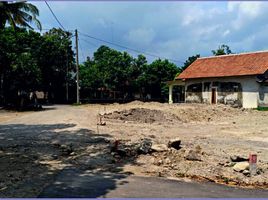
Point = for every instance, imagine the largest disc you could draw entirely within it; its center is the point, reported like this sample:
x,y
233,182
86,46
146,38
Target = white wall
x,y
250,89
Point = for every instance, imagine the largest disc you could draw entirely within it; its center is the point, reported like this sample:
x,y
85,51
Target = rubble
x,y
66,150
129,149
175,143
238,158
193,156
241,166
159,148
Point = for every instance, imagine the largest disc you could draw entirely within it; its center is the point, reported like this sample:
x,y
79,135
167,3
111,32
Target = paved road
x,y
75,183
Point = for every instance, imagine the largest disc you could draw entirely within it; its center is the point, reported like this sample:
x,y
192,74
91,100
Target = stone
x,y
198,149
175,143
167,161
193,156
160,162
241,166
238,158
54,157
159,147
66,150
246,172
145,146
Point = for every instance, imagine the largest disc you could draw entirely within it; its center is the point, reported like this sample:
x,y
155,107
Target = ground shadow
x,y
30,156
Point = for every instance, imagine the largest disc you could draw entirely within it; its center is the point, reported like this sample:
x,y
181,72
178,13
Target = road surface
x,y
75,183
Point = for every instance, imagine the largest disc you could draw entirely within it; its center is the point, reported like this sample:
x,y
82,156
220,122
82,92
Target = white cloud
x,y
141,36
172,29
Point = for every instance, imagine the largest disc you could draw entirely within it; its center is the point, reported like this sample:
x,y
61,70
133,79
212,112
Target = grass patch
x,y
262,108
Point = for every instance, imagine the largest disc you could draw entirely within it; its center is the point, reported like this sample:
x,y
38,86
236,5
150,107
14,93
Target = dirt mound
x,y
142,115
202,112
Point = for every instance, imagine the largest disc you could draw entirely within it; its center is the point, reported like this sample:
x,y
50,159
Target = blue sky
x,y
173,30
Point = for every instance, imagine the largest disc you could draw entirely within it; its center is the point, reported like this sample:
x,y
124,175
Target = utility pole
x,y
77,68
67,73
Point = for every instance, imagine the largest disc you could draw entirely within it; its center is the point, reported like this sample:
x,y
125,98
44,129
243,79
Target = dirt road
x,y
35,147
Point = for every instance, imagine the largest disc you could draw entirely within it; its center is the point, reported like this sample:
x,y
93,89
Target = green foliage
x,y
118,71
222,50
18,14
30,61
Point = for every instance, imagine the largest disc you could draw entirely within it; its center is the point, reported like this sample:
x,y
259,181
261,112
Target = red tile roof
x,y
227,65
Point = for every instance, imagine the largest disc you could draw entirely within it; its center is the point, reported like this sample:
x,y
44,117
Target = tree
x,y
155,75
19,68
222,50
56,60
30,61
189,61
18,14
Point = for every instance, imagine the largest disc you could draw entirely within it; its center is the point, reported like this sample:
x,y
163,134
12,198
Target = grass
x,y
262,108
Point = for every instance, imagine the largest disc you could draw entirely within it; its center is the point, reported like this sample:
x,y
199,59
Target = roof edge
x,y
178,78
236,54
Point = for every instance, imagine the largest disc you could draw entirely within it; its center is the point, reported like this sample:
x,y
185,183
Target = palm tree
x,y
18,13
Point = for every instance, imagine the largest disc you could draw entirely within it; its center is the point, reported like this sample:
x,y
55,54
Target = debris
x,y
66,150
237,158
131,149
241,166
193,156
145,146
198,149
159,147
246,172
54,156
175,143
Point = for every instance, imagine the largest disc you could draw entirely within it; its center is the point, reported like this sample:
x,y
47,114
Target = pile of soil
x,y
142,115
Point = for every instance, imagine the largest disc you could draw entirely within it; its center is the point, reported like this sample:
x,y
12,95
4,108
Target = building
x,y
235,79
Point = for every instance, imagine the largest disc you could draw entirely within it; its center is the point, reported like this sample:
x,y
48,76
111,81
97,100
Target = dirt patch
x,y
142,115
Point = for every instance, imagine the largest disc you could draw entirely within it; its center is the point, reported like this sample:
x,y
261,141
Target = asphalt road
x,y
75,183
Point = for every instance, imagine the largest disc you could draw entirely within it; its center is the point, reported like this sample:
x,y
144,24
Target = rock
x,y
66,150
159,147
160,162
175,143
145,146
246,172
237,158
198,149
193,156
241,166
54,157
167,161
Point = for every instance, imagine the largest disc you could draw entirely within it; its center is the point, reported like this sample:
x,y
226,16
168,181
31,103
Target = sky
x,y
173,30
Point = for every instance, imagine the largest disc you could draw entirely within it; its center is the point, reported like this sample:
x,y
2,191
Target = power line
x,y
128,48
80,47
54,15
89,42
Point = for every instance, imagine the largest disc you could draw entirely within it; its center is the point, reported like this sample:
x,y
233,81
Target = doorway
x,y
213,95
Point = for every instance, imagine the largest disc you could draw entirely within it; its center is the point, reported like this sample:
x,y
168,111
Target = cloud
x,y
140,36
175,30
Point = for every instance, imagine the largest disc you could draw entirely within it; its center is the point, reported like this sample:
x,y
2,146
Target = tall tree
x,y
155,75
19,14
222,50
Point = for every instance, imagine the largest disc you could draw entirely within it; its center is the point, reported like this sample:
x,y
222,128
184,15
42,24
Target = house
x,y
235,79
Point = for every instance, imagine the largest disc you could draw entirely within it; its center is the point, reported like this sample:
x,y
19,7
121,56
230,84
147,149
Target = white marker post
x,y
253,164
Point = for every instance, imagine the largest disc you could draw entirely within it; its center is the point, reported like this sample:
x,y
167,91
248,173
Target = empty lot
x,y
36,146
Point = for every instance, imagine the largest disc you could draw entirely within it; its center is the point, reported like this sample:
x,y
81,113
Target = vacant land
x,y
36,146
